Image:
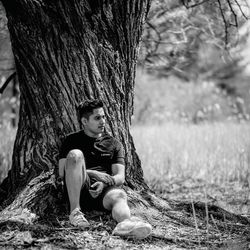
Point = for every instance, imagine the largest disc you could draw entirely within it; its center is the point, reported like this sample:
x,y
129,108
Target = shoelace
x,y
78,213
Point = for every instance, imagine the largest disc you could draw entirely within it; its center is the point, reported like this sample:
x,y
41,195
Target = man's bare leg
x,y
116,201
75,176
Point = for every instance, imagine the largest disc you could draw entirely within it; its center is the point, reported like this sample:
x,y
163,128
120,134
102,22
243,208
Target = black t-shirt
x,y
99,153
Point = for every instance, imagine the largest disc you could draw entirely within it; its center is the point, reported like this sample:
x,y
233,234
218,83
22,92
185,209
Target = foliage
x,y
3,21
189,41
160,100
6,56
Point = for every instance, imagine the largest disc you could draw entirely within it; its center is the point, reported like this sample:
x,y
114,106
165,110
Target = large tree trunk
x,y
65,52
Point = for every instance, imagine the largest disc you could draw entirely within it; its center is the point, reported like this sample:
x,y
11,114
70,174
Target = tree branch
x,y
193,5
225,22
234,14
241,11
156,41
7,82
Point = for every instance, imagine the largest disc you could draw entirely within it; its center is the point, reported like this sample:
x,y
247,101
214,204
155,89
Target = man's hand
x,y
103,177
96,189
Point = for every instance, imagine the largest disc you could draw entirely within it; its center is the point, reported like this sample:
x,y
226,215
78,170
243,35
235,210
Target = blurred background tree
x,y
199,44
187,40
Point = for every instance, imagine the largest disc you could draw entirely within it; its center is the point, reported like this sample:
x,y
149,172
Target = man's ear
x,y
83,120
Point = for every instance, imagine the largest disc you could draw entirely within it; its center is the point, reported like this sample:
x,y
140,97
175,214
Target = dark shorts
x,y
87,202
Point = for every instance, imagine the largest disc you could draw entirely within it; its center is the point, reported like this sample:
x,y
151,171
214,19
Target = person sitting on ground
x,y
92,165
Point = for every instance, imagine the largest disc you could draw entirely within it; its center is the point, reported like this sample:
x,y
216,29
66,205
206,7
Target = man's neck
x,y
88,133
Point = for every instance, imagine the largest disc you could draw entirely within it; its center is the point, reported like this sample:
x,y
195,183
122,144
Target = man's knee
x,y
75,156
114,196
75,163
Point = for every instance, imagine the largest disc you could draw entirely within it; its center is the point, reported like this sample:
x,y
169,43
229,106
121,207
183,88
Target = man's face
x,y
95,125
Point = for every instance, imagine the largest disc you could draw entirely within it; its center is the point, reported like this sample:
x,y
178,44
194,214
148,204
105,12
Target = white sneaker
x,y
77,219
133,228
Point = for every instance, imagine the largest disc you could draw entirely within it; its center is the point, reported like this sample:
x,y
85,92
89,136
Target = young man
x,y
92,164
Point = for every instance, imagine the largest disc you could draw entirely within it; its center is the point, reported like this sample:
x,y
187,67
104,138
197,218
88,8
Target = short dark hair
x,y
86,107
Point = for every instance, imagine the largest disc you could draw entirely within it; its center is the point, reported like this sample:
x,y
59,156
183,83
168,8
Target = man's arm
x,y
118,173
103,177
117,178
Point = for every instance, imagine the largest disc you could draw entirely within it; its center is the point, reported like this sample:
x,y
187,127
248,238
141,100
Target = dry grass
x,y
7,135
208,162
215,152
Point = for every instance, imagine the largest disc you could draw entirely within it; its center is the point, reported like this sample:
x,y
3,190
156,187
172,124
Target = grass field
x,y
216,152
206,161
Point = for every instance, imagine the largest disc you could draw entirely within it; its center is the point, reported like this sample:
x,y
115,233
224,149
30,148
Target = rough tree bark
x,y
66,51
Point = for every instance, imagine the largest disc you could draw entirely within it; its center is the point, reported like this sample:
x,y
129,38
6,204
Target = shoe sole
x,y
137,232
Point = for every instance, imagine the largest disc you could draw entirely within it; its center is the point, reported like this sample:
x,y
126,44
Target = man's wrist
x,y
105,184
113,183
109,183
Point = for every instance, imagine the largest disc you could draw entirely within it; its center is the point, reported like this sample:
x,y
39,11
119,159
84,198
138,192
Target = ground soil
x,y
233,196
56,233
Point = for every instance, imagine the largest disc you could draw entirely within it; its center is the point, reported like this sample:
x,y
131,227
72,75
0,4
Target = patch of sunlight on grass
x,y
214,151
